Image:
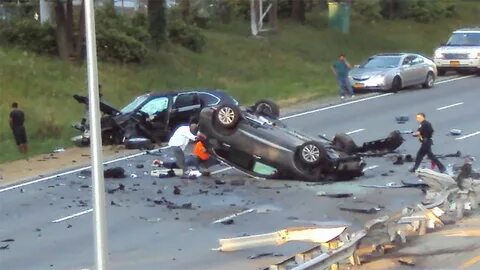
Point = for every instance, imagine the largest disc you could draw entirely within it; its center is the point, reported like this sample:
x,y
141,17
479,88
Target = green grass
x,y
290,66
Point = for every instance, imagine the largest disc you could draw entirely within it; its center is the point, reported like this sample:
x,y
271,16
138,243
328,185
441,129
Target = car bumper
x,y
368,85
458,63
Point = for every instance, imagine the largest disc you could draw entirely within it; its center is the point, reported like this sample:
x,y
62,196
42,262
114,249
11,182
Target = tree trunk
x,y
157,22
273,15
63,44
69,26
185,8
298,11
81,32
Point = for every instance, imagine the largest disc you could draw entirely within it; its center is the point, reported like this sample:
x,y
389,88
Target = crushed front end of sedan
x,y
256,142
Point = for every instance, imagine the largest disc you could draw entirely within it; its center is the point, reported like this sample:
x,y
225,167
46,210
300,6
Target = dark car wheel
x,y
345,143
138,143
311,153
396,84
267,107
227,116
429,80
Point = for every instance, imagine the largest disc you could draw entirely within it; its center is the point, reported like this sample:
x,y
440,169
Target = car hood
x,y
104,108
368,72
458,49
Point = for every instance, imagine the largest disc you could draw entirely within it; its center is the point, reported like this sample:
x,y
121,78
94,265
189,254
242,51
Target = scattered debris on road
x,y
228,222
120,187
360,207
4,247
234,216
402,119
176,190
388,185
116,172
455,132
334,195
8,240
266,254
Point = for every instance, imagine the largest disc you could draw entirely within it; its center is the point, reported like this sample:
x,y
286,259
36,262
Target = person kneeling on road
x,y
179,141
200,158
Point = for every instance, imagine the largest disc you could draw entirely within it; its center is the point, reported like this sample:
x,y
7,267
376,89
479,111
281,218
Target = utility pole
x,y
99,215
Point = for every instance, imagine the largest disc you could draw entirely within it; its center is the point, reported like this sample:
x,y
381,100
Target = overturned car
x,y
150,117
255,141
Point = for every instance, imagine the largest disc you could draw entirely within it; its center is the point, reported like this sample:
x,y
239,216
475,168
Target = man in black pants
x,y
17,118
424,134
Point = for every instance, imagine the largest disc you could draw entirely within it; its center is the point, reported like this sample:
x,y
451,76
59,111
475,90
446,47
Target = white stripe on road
x,y
468,136
455,79
370,168
73,171
355,131
221,170
282,118
73,216
335,106
450,106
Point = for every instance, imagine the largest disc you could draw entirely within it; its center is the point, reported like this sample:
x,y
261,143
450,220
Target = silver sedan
x,y
393,72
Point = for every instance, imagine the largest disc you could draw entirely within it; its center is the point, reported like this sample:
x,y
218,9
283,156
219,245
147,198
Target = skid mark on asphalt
x,y
73,216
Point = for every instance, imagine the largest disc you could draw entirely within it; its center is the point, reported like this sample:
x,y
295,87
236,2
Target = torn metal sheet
x,y
435,180
305,234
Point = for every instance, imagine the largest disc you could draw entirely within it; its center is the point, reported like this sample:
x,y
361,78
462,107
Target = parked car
x,y
152,115
253,140
393,72
461,53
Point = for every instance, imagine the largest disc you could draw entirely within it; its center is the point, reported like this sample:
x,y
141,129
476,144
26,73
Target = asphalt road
x,y
144,235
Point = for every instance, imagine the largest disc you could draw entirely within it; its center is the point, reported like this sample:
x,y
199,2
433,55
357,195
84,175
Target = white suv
x,y
460,53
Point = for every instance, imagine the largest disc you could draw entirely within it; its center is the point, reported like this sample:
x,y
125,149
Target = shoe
x,y
412,170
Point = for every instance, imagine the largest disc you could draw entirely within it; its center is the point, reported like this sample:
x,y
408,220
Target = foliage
x,y
157,22
186,35
370,10
30,35
420,10
121,38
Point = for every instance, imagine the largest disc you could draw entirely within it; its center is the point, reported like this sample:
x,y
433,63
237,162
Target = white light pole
x,y
99,220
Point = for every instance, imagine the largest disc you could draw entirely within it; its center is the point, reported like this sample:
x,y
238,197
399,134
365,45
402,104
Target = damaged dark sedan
x,y
256,142
151,116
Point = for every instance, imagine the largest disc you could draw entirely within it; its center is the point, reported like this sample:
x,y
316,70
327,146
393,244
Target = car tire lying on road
x,y
227,116
345,143
138,143
311,153
268,108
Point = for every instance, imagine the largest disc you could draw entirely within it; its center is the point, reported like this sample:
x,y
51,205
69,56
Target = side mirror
x,y
443,44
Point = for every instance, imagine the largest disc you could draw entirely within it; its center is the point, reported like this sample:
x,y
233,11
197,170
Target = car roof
x,y
468,30
176,92
392,54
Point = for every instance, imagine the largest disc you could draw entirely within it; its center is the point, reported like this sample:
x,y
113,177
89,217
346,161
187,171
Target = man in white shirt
x,y
179,141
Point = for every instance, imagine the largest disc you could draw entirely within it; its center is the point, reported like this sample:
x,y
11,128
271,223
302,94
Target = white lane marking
x,y
450,106
455,79
282,118
73,171
468,136
370,168
355,131
73,216
335,106
221,170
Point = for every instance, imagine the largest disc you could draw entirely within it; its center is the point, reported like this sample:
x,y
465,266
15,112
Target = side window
x,y
417,60
208,99
185,100
408,60
155,106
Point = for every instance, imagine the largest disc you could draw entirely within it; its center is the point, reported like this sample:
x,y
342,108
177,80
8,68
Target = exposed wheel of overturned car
x,y
311,153
345,143
138,143
227,116
267,107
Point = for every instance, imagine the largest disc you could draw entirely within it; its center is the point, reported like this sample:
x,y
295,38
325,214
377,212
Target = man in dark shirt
x,y
340,68
424,134
17,118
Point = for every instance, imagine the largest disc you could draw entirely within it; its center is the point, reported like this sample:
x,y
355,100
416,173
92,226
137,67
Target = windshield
x,y
464,39
382,62
134,104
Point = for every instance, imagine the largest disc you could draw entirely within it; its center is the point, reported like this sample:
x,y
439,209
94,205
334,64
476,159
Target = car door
x,y
420,69
407,70
185,107
156,111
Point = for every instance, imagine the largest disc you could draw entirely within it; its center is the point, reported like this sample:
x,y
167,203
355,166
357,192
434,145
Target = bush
x,y
420,10
368,9
121,38
188,36
30,35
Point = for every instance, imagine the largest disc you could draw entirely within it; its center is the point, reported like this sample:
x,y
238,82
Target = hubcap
x,y
265,108
226,115
430,80
311,153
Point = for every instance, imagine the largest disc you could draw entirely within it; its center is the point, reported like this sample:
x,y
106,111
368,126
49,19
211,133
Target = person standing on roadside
x,y
17,119
424,134
340,68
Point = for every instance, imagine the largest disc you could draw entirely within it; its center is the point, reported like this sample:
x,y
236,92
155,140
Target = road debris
x,y
388,185
228,222
220,182
8,240
334,195
120,187
266,254
59,150
140,166
133,175
455,132
163,173
176,190
4,247
399,161
304,234
402,119
116,172
234,216
360,207
238,182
